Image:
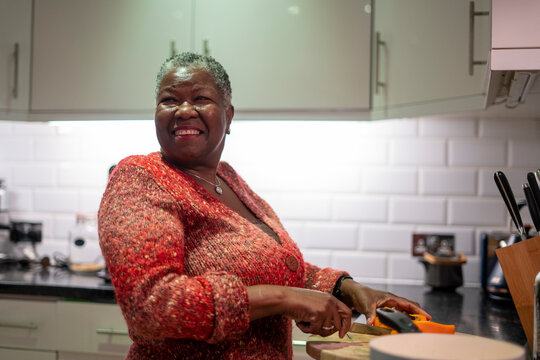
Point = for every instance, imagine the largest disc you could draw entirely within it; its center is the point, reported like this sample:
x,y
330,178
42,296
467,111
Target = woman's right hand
x,y
315,312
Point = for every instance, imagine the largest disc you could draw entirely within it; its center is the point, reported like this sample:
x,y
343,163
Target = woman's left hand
x,y
366,300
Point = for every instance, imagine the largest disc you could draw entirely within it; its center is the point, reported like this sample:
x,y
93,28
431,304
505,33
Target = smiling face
x,y
191,118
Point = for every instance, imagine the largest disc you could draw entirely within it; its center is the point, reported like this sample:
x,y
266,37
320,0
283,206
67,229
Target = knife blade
x,y
531,204
369,329
396,320
508,196
535,198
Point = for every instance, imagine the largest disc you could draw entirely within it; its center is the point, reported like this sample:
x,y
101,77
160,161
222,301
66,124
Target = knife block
x,y
520,263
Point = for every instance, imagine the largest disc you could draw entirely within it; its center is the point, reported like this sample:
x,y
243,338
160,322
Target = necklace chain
x,y
217,185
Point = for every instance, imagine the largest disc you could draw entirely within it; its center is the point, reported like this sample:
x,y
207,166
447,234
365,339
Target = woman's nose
x,y
186,110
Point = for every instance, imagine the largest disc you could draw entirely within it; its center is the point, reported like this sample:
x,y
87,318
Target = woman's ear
x,y
230,115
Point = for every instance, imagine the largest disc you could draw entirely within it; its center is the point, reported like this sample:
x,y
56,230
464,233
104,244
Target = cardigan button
x,y
291,263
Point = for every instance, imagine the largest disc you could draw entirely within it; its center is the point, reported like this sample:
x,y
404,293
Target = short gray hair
x,y
204,62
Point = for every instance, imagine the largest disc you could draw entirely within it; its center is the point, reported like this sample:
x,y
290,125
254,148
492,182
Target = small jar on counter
x,y
84,252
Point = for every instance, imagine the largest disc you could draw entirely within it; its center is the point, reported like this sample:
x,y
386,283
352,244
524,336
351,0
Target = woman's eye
x,y
167,101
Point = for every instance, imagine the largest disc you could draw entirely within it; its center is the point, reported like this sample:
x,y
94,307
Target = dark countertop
x,y
55,282
468,308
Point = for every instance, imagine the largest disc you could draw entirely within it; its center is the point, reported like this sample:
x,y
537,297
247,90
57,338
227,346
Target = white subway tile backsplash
x,y
514,128
20,200
320,258
414,210
82,175
426,152
63,224
525,153
448,182
57,148
28,129
384,237
475,211
360,208
16,148
447,127
5,128
298,206
296,230
89,200
5,174
350,200
405,267
360,264
516,178
369,151
309,178
33,174
477,152
48,200
331,235
464,236
390,181
392,128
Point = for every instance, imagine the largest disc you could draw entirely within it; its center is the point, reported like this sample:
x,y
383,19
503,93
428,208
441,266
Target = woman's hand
x,y
366,300
315,312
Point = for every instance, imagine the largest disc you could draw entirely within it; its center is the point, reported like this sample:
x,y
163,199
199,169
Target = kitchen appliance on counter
x,y
21,247
84,252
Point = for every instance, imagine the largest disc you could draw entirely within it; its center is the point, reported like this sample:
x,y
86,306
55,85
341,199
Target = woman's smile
x,y
184,132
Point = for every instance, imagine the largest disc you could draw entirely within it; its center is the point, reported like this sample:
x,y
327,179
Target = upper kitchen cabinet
x,y
15,25
284,55
102,56
429,56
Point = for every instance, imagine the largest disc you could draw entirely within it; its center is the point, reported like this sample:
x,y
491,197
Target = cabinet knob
x,y
15,90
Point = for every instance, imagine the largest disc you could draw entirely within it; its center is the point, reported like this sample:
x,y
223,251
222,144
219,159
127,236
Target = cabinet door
x,y
27,324
102,56
15,25
283,55
16,354
92,328
423,54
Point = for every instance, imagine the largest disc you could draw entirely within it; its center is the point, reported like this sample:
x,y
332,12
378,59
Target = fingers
x,y
406,305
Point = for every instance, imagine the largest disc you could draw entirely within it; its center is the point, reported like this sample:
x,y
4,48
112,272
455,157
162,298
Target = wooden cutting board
x,y
334,348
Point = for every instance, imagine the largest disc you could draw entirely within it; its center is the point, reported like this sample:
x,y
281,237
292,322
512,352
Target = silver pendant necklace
x,y
217,185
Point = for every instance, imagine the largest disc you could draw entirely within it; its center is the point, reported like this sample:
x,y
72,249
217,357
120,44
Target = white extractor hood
x,y
514,60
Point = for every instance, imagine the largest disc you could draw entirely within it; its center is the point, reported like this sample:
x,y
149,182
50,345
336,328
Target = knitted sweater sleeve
x,y
142,238
321,279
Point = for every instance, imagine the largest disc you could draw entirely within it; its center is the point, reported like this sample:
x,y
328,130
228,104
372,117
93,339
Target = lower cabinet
x,y
91,328
27,324
61,330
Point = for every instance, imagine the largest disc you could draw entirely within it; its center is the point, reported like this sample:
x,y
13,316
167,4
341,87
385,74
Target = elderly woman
x,y
202,267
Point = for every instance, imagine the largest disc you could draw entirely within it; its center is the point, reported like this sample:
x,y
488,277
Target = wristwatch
x,y
337,288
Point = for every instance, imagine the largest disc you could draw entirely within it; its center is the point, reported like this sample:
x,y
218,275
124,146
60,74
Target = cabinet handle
x,y
206,47
29,326
173,48
111,332
472,15
15,90
378,45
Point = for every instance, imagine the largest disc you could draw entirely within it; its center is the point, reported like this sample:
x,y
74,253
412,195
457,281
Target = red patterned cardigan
x,y
180,261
